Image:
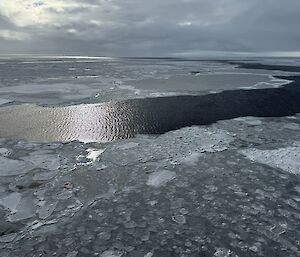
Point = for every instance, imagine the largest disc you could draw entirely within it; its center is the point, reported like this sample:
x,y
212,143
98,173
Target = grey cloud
x,y
169,27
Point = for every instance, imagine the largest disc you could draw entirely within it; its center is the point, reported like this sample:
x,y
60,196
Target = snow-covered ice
x,y
287,159
252,121
160,178
93,154
4,101
111,254
4,152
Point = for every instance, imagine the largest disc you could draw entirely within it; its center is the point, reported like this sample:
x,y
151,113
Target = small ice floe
x,y
11,201
4,152
192,159
23,208
127,146
163,94
10,167
43,176
180,219
93,154
223,252
129,88
160,178
291,126
150,254
292,117
4,101
43,160
46,209
8,238
249,87
72,254
252,121
287,159
277,82
111,254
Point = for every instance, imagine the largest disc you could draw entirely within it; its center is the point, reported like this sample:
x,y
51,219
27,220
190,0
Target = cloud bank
x,y
149,28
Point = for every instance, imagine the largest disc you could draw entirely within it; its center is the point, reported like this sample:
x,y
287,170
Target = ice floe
x,y
93,154
287,159
24,209
11,201
10,167
180,146
252,121
111,254
8,238
292,126
127,145
4,101
160,178
4,152
44,160
192,159
46,209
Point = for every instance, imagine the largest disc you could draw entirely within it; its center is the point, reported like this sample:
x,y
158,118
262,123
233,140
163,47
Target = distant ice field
x,y
65,81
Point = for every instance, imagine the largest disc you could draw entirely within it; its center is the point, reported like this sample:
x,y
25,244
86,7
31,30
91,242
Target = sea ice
x,y
287,159
41,176
111,254
252,121
4,101
292,126
10,167
192,159
43,160
8,238
180,219
24,210
222,252
4,152
93,154
46,210
127,146
173,146
11,201
160,178
72,254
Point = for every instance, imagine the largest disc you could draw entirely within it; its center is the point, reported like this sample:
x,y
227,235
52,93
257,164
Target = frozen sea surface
x,y
52,81
188,192
227,187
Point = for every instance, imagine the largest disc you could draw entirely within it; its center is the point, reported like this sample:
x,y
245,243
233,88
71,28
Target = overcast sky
x,y
150,27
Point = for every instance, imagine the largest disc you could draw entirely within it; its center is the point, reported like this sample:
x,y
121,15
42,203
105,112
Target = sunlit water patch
x,y
118,120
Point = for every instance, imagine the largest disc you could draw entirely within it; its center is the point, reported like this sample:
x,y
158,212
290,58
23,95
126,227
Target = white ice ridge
x,y
93,154
287,159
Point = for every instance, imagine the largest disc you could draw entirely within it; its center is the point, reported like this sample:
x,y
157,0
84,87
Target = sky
x,y
150,27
